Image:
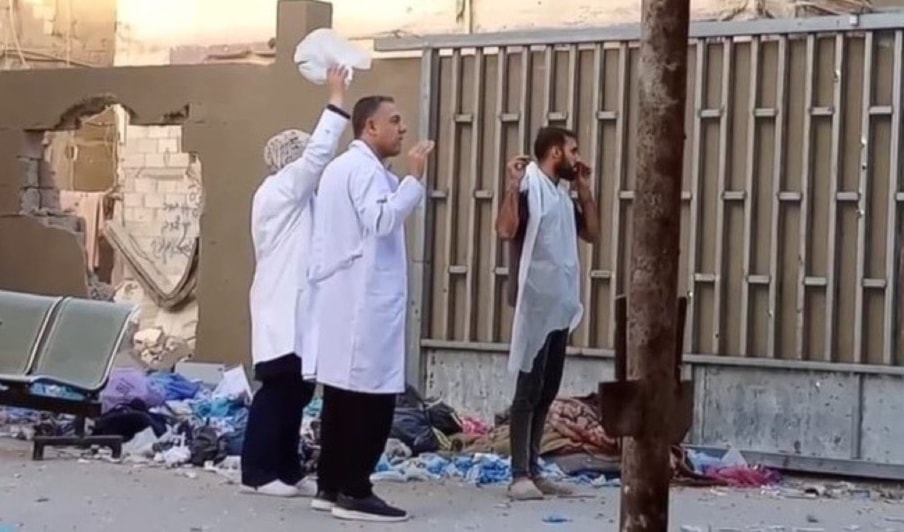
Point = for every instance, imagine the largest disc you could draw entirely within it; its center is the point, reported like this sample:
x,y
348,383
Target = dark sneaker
x,y
324,501
371,508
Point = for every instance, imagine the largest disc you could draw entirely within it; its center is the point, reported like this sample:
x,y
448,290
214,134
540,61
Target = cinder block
x,y
162,175
135,133
50,199
144,185
139,215
155,160
29,200
168,146
147,145
176,199
134,160
178,160
30,171
133,199
129,147
153,201
158,132
127,185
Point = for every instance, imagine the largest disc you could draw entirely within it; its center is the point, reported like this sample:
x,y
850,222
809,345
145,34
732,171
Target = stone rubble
x,y
158,350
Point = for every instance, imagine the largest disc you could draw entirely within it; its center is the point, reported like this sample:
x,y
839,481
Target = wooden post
x,y
653,305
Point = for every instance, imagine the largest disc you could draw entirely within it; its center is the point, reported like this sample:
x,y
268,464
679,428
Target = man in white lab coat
x,y
543,222
281,232
359,280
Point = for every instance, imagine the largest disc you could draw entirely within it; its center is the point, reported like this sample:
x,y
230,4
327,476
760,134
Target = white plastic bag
x,y
323,48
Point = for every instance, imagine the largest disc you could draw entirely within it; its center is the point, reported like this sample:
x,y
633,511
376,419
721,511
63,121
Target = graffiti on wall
x,y
179,224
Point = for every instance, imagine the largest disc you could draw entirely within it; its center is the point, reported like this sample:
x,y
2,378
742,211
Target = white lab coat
x,y
548,281
281,230
358,272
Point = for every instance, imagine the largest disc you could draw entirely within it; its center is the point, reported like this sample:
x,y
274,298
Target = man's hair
x,y
366,108
551,137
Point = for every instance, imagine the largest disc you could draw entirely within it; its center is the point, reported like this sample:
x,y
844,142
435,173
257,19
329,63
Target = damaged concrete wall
x,y
226,113
160,210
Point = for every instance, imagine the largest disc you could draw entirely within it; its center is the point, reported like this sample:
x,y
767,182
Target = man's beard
x,y
566,171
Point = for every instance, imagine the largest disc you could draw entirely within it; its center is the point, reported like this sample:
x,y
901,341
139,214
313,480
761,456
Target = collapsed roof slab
x,y
227,113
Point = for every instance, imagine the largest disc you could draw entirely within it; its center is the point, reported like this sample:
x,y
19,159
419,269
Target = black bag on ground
x,y
411,426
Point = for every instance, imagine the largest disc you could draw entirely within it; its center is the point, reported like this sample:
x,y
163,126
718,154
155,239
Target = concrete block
x,y
50,198
30,171
161,175
127,185
154,160
178,160
175,199
139,214
29,199
134,160
146,185
153,201
135,133
46,175
147,145
133,199
168,146
158,132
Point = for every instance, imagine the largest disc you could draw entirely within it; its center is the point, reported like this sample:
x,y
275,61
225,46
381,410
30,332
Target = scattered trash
x,y
556,519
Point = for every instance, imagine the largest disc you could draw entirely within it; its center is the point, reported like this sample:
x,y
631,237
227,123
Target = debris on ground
x,y
159,351
168,420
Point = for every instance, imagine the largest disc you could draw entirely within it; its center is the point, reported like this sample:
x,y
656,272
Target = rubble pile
x,y
158,350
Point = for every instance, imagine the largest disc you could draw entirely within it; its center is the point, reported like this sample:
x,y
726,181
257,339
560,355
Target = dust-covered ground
x,y
64,493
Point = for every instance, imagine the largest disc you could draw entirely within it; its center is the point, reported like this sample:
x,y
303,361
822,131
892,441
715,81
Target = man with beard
x,y
543,223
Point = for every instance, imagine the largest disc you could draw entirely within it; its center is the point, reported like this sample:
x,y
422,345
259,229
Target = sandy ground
x,y
63,494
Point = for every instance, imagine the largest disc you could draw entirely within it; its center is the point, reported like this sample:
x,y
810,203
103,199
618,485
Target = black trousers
x,y
534,394
354,428
272,436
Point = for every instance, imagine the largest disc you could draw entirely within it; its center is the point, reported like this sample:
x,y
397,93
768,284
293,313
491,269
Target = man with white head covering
x,y
280,231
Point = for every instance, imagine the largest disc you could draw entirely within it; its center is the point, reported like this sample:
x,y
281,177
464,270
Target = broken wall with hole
x,y
159,210
226,113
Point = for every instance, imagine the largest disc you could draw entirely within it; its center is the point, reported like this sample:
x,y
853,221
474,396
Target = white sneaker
x,y
307,487
274,489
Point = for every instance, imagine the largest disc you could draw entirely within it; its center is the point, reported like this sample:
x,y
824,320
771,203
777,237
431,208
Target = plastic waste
x,y
556,519
324,48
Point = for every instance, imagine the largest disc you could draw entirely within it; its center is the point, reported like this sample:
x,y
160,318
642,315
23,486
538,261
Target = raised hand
x,y
417,157
336,77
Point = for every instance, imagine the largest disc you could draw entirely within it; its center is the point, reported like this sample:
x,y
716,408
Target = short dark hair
x,y
551,137
366,108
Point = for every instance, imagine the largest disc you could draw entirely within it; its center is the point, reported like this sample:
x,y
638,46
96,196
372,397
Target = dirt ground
x,y
64,493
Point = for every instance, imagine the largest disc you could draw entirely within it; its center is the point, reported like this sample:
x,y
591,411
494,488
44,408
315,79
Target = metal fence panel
x,y
791,217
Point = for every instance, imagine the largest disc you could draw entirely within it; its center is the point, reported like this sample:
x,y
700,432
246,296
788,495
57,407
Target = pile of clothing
x,y
173,421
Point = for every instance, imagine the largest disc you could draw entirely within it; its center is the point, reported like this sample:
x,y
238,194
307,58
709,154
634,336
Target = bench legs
x,y
79,440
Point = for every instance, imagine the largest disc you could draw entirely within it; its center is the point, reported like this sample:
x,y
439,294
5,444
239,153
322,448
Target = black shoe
x,y
370,508
324,501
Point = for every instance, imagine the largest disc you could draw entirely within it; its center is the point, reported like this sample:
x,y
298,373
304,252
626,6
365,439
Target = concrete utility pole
x,y
653,313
